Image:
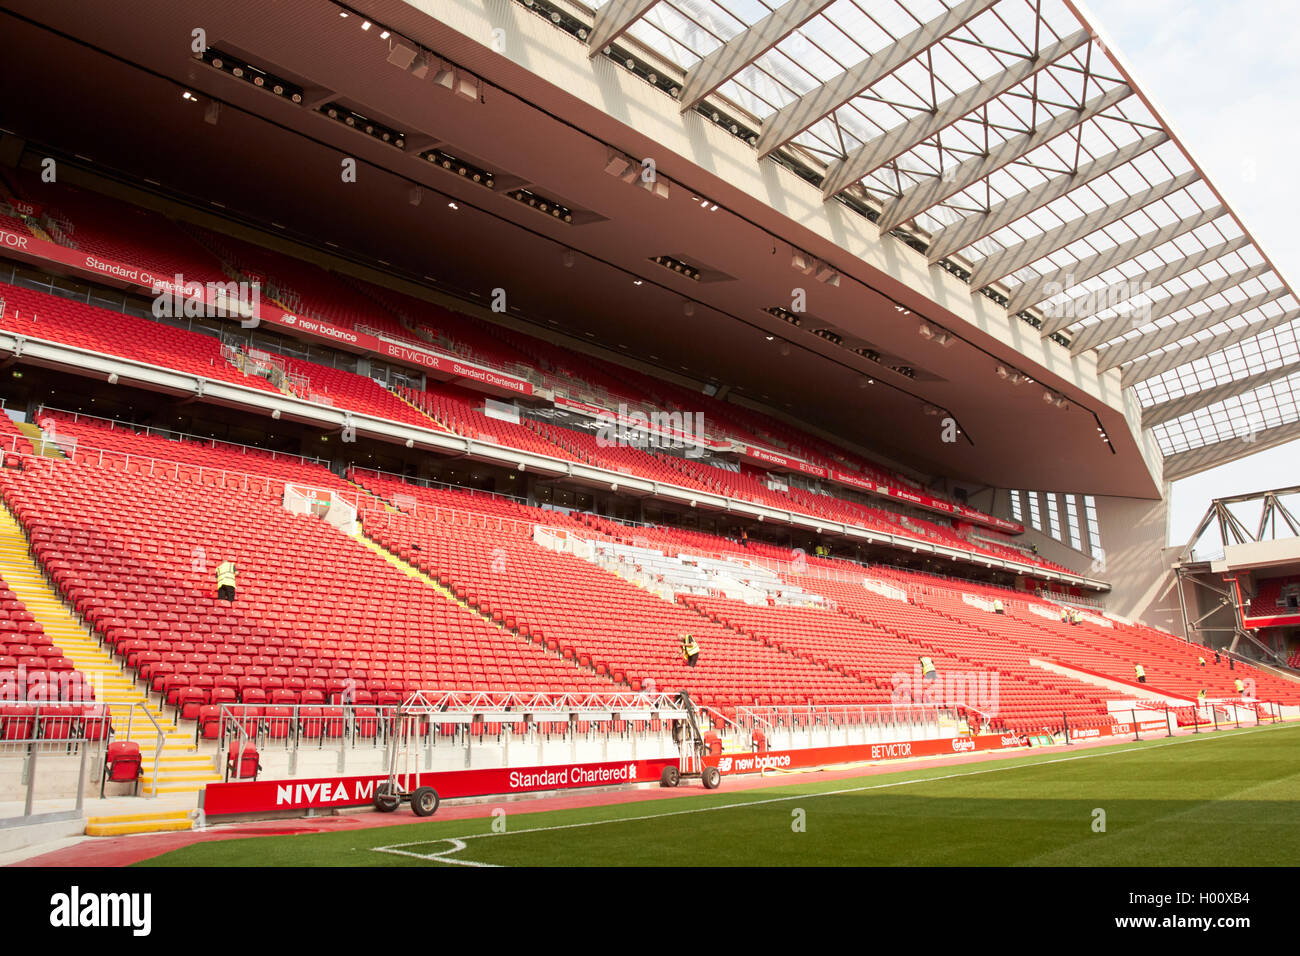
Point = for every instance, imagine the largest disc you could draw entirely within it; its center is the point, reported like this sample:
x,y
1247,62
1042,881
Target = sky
x,y
1225,75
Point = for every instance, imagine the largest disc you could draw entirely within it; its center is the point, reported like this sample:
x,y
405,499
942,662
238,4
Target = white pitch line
x,y
456,847
442,855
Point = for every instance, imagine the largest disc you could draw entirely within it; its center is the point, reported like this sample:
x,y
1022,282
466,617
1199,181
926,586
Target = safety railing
x,y
372,518
153,466
477,519
456,727
1223,712
149,466
793,727
162,738
44,739
114,425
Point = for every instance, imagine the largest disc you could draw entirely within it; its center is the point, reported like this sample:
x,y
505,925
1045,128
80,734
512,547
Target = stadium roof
x,y
1010,143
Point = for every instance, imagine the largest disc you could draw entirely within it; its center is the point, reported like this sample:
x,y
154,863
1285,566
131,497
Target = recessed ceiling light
x,y
452,205
366,25
636,281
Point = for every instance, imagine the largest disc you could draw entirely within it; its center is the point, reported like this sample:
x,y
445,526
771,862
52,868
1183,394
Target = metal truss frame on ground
x,y
1193,571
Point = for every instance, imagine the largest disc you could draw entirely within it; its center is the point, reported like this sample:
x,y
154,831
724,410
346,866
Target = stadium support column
x,y
1136,562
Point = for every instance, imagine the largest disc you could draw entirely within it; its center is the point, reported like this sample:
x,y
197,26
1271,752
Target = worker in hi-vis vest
x,y
1241,688
690,650
1141,673
927,669
226,581
997,606
1202,660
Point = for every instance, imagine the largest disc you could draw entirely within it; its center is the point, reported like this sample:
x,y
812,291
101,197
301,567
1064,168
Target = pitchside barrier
x,y
338,790
49,763
317,739
476,743
808,727
334,792
1220,714
487,730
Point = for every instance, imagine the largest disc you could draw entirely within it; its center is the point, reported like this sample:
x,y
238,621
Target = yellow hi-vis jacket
x,y
927,666
1241,688
1137,669
689,647
997,606
226,574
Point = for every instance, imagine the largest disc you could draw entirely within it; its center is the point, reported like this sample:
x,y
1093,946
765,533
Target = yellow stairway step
x,y
138,817
127,829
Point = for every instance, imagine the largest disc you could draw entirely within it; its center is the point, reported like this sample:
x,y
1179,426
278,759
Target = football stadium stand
x,y
784,424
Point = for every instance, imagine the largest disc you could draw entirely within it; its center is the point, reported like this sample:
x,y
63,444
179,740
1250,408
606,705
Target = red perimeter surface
x,y
125,850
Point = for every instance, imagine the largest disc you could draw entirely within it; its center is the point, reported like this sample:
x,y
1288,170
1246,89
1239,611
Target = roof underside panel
x,y
1004,135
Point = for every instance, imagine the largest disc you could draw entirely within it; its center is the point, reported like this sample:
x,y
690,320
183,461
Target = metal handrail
x,y
765,714
162,740
462,709
434,513
251,479
33,746
172,435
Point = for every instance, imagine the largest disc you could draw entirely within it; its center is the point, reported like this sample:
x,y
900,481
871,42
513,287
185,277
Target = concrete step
x,y
203,766
116,689
126,823
147,790
182,775
39,445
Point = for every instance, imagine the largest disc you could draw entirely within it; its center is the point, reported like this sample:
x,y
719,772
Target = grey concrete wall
x,y
1137,563
1048,547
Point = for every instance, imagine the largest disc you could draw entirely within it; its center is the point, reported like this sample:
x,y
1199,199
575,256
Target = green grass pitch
x,y
1225,799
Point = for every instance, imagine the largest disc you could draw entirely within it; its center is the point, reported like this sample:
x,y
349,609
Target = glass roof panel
x,y
847,34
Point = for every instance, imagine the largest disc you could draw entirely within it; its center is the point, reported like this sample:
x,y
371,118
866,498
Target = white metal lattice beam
x,y
867,158
1115,326
1116,355
1066,314
1184,464
1064,277
612,21
1186,404
930,192
795,117
746,47
1153,365
1014,258
973,228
